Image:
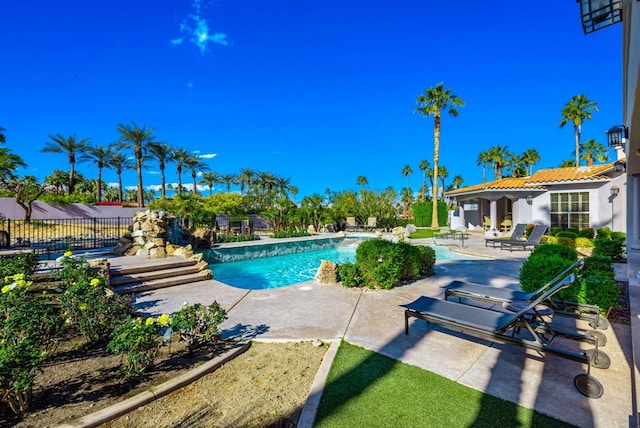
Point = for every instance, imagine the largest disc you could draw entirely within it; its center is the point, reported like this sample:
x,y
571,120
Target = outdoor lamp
x,y
619,166
597,14
529,199
615,190
617,136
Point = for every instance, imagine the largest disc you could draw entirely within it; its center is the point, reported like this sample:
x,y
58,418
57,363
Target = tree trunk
x,y
140,188
71,178
436,153
162,183
120,187
577,134
179,179
99,185
195,188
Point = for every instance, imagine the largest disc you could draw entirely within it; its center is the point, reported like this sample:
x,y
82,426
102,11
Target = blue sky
x,y
321,92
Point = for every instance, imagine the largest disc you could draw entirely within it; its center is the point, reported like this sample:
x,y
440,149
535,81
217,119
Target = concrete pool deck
x,y
373,320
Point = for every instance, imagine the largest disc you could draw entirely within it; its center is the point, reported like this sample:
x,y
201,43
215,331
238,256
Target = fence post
x,y
95,234
9,231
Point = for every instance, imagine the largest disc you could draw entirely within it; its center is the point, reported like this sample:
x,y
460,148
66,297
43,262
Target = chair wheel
x,y
600,361
598,335
588,385
600,322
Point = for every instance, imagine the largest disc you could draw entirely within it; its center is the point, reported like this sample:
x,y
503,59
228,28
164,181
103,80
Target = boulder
x,y
327,272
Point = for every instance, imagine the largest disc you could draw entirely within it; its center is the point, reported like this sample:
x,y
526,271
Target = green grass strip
x,y
366,389
423,233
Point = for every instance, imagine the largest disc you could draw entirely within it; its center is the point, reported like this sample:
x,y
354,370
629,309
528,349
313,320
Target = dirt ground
x,y
265,386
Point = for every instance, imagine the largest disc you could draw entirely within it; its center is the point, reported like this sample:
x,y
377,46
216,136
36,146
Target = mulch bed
x,y
621,314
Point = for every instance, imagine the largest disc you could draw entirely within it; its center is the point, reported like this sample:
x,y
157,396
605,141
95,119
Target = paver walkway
x,y
373,320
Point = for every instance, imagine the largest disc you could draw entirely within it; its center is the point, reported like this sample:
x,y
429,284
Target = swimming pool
x,y
280,271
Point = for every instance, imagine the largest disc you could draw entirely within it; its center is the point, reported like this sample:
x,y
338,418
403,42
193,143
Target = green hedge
x,y
422,213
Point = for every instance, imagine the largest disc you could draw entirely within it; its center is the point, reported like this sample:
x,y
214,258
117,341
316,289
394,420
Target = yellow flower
x,y
68,254
163,320
6,289
138,321
82,306
95,282
149,321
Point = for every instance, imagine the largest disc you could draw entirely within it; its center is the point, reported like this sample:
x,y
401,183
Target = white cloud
x,y
196,28
153,172
112,185
208,155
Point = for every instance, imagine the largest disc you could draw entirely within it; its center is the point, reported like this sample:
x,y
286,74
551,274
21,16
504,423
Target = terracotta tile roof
x,y
539,178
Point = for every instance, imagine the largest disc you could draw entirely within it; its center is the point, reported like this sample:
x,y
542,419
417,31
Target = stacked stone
x,y
146,237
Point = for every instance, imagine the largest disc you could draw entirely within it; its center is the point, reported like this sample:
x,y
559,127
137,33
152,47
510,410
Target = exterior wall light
x,y
529,199
615,190
619,166
597,14
617,136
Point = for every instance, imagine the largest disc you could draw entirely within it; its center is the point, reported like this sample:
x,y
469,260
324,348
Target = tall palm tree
x,y
576,111
568,163
443,173
180,156
424,167
119,162
431,103
245,177
362,182
407,199
457,181
530,157
162,153
407,171
229,179
208,179
195,165
283,185
593,150
69,146
3,139
499,156
136,138
517,165
101,157
484,160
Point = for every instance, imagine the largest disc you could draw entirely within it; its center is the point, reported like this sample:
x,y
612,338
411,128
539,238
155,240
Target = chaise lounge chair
x,y
506,328
352,224
510,298
372,223
533,241
516,235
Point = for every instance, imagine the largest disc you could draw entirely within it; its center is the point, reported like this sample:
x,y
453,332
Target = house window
x,y
570,210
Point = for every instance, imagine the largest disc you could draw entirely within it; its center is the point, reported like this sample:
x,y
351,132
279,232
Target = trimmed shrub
x,y
21,263
584,243
555,230
619,236
538,270
384,264
422,212
600,289
350,275
569,242
614,249
572,230
203,218
427,260
548,239
567,234
603,232
587,233
555,250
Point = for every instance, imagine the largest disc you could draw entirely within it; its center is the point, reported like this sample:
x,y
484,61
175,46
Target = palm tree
x,y
484,159
362,182
457,181
424,167
119,162
516,165
530,157
3,139
195,165
283,185
69,146
180,157
9,163
499,157
208,179
407,199
567,163
228,179
576,111
245,177
431,103
163,153
592,151
443,173
101,157
407,171
135,138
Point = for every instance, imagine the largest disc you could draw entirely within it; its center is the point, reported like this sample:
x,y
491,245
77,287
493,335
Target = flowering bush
x,y
198,324
139,340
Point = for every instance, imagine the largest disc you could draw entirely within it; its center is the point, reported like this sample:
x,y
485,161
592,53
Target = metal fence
x,y
51,236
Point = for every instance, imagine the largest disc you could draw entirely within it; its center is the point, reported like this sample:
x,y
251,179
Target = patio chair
x,y
506,225
506,328
486,223
372,223
517,234
515,299
533,241
352,224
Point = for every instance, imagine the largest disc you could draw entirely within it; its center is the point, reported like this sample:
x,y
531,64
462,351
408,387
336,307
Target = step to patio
x,y
132,275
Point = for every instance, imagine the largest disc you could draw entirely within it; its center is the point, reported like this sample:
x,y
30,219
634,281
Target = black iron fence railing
x,y
50,236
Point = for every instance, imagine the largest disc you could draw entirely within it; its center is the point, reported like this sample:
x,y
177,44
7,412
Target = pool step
x,y
133,276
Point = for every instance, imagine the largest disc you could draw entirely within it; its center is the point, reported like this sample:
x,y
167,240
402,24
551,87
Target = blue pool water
x,y
280,271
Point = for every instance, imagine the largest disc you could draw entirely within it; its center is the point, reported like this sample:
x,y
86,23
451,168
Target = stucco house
x,y
583,197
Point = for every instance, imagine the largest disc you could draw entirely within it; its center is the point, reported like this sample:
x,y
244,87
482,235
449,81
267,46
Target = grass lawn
x,y
423,233
365,389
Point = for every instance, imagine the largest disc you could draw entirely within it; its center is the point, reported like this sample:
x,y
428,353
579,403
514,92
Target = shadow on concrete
x,y
244,332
